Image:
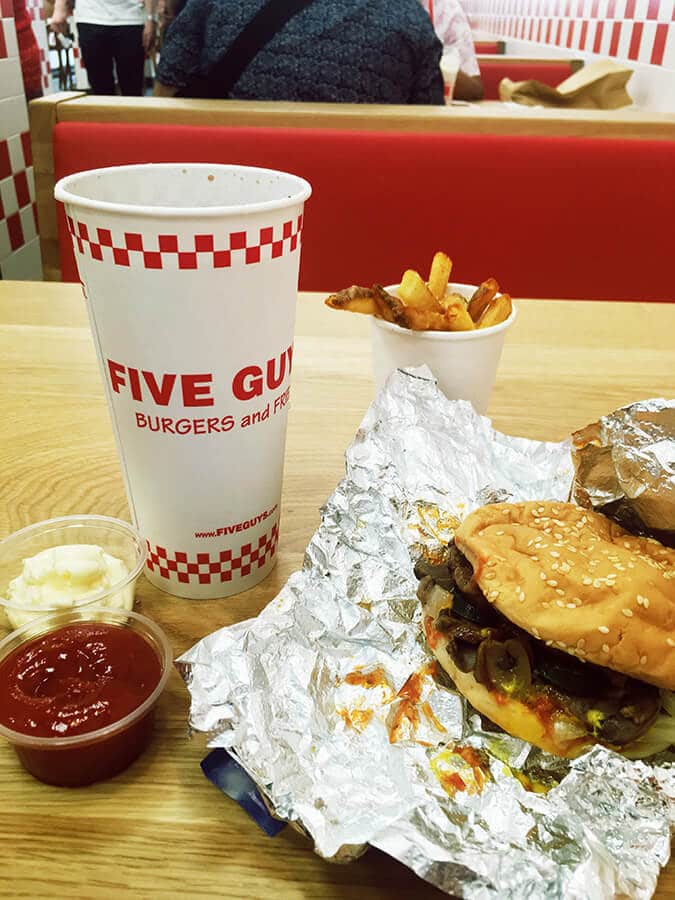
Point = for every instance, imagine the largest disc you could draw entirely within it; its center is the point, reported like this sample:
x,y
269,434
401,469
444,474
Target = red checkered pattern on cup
x,y
213,251
204,568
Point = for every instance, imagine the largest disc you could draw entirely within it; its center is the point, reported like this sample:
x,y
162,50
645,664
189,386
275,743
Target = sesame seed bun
x,y
576,580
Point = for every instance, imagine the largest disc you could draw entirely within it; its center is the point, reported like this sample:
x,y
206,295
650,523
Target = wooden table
x,y
160,828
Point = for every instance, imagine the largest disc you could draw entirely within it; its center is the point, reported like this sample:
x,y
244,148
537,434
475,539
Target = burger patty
x,y
614,708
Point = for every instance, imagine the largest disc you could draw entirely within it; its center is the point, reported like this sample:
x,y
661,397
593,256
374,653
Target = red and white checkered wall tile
x,y
37,14
638,30
19,245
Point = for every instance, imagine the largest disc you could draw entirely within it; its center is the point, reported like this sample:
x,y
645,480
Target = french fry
x,y
482,297
424,319
388,307
354,299
414,293
458,317
498,310
439,275
454,318
451,299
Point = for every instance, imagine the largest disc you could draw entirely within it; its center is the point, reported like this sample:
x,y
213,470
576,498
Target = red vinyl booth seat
x,y
489,46
493,70
548,216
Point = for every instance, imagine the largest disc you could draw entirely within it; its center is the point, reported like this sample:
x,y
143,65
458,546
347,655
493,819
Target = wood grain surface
x,y
161,829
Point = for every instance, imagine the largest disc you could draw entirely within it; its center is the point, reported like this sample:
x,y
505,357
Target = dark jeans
x,y
100,45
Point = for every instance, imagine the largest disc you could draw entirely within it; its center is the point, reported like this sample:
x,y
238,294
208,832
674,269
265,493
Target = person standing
x,y
29,51
338,51
453,30
112,33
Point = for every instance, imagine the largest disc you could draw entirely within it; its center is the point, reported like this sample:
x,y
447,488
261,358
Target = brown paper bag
x,y
600,85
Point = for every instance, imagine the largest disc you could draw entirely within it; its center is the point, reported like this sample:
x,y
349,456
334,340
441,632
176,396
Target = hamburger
x,y
556,624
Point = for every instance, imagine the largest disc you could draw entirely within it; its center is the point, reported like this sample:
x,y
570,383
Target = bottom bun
x,y
556,734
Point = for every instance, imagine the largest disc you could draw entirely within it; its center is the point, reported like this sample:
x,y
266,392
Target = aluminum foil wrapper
x,y
625,467
328,698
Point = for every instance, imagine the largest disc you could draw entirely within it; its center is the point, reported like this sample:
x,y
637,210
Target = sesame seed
x,y
643,660
564,567
581,643
529,543
628,613
540,509
631,565
571,606
535,632
542,575
490,575
603,629
560,592
549,643
545,604
572,549
493,595
605,648
555,566
555,510
560,604
557,536
551,582
627,545
587,580
576,601
499,532
554,553
670,642
534,558
643,601
562,645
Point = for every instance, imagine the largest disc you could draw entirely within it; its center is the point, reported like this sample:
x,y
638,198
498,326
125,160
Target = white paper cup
x,y
191,274
449,70
463,362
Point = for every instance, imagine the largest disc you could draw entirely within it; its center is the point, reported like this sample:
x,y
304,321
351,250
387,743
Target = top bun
x,y
576,580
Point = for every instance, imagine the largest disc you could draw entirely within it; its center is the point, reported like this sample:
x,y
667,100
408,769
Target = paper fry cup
x,y
191,275
463,362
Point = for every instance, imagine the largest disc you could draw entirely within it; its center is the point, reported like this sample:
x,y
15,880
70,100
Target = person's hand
x,y
59,19
149,34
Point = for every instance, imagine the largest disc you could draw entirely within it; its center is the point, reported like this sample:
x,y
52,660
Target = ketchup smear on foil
x,y
74,680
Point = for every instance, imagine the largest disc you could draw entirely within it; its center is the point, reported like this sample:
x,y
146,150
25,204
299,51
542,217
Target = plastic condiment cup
x,y
463,362
82,759
115,537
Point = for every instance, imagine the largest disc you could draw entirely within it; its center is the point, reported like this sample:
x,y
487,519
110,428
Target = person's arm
x,y
180,60
468,87
59,19
150,27
164,90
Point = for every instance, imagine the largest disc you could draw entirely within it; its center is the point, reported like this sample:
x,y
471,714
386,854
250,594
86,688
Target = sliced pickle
x,y
504,665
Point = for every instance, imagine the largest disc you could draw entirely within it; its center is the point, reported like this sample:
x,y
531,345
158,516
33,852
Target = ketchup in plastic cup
x,y
463,362
78,691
